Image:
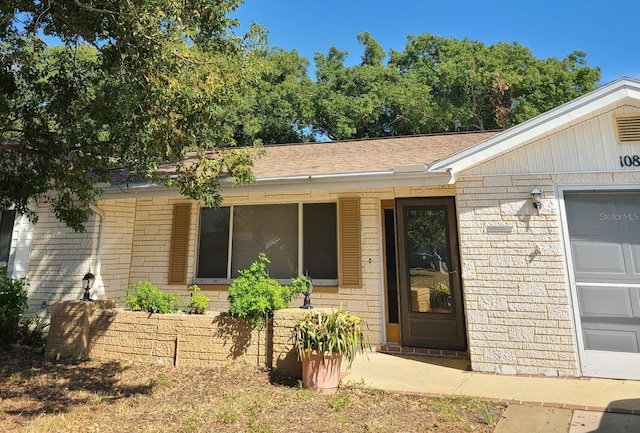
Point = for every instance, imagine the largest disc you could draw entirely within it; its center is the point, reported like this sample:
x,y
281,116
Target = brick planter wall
x,y
97,330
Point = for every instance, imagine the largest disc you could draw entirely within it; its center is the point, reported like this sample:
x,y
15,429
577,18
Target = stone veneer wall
x,y
516,291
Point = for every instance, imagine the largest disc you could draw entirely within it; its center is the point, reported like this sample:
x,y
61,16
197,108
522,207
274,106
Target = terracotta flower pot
x,y
321,376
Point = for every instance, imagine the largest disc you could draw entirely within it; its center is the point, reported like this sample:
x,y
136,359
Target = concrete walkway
x,y
577,405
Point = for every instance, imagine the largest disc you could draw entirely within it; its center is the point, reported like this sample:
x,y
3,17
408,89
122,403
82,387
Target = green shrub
x,y
13,303
198,303
31,331
144,296
301,284
254,296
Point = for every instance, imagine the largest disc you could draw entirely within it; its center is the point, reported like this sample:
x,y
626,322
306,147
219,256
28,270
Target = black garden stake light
x,y
307,295
87,283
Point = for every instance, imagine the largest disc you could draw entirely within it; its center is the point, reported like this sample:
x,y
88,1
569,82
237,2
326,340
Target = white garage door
x,y
604,236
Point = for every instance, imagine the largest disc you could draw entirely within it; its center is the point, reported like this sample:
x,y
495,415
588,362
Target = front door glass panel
x,y
426,235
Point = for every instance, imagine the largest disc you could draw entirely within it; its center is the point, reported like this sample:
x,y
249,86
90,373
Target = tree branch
x,y
95,10
15,147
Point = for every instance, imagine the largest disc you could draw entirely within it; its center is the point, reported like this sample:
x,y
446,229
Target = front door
x,y
428,270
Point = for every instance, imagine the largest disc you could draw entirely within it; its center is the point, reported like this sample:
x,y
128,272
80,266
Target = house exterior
x,y
435,240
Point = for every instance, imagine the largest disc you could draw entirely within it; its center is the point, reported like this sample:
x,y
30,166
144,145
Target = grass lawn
x,y
107,396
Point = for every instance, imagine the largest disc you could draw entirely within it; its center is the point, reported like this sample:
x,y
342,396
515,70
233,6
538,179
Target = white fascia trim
x,y
539,125
373,179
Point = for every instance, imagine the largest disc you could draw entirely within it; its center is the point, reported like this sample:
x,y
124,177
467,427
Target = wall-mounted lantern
x,y
87,283
535,196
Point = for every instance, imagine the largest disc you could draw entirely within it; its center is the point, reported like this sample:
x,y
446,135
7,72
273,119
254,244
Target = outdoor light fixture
x,y
535,196
87,283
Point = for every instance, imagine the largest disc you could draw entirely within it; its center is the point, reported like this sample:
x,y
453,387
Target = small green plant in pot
x,y
322,339
440,297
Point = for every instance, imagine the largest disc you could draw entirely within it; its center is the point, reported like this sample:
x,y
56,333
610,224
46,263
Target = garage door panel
x,y
589,214
598,257
611,340
604,302
635,258
604,240
634,294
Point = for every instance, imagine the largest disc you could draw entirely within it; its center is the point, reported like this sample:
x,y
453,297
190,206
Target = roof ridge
x,y
390,137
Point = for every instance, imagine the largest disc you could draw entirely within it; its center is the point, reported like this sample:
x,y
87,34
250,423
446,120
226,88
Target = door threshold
x,y
397,349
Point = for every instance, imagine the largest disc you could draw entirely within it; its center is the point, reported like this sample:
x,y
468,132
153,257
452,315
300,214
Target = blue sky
x,y
608,31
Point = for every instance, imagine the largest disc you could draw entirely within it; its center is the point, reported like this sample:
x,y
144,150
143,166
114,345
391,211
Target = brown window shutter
x,y
179,243
349,238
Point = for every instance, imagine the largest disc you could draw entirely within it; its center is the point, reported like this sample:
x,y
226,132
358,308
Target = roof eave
x,y
363,180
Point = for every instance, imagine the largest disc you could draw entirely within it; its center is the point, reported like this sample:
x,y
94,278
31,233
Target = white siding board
x,y
582,157
556,154
589,145
575,149
530,158
603,147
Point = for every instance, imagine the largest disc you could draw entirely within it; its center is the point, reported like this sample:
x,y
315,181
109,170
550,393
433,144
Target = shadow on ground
x,y
621,421
30,385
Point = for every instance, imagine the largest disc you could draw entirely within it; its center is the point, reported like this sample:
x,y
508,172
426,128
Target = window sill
x,y
319,286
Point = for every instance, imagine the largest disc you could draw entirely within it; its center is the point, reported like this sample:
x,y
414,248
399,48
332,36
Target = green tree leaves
x,y
135,85
441,85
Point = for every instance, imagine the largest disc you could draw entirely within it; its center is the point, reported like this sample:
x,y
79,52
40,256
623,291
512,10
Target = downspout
x,y
98,262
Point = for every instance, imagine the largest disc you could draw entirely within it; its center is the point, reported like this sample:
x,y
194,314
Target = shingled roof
x,y
357,156
384,161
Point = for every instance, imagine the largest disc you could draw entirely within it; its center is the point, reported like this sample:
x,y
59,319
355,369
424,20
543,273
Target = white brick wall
x,y
58,260
515,284
120,217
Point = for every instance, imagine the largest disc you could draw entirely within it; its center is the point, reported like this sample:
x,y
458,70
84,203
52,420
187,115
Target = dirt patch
x,y
43,396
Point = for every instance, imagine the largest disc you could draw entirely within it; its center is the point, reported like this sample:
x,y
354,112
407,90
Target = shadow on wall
x,y
59,259
72,325
240,337
96,330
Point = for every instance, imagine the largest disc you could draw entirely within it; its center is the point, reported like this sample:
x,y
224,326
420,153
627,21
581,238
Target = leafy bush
x,y
198,303
301,284
13,303
144,296
255,296
31,331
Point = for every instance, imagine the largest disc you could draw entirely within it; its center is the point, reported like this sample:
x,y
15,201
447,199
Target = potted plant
x,y
440,298
322,339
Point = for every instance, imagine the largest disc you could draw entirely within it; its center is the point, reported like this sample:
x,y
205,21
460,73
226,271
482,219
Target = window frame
x,y
320,282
